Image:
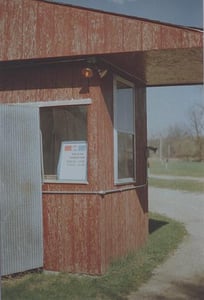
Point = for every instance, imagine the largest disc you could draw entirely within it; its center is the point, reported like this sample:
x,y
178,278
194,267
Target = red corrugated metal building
x,y
94,135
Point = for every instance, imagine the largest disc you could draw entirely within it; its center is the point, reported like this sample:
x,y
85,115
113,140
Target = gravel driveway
x,y
182,275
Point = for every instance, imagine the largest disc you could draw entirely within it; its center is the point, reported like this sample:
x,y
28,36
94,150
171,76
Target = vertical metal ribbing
x,y
20,189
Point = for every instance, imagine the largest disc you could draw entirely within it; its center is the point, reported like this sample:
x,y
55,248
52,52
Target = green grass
x,y
179,184
124,275
177,168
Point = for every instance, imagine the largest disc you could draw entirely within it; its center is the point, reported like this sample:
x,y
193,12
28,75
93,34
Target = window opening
x,y
124,130
60,124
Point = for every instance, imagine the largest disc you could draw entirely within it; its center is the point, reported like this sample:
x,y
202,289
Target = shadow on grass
x,y
155,225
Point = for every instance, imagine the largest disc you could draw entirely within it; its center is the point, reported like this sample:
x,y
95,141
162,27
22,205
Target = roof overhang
x,y
154,53
161,67
150,68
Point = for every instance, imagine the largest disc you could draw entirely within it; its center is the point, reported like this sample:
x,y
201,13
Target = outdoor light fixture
x,y
92,69
102,73
87,72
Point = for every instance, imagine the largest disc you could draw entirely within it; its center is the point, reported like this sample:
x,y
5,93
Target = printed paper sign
x,y
72,164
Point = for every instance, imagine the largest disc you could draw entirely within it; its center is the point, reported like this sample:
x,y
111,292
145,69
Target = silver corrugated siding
x,y
20,189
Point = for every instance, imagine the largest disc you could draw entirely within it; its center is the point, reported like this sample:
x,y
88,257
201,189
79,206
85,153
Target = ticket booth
x,y
73,121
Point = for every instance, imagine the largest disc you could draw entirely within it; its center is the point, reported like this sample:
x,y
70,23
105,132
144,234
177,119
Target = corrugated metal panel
x,y
20,185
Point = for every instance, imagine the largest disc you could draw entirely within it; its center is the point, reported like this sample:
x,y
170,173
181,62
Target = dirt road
x,y
182,275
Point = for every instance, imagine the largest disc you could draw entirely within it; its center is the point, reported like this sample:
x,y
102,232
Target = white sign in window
x,y
72,164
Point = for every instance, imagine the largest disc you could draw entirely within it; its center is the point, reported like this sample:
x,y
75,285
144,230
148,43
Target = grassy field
x,y
124,276
177,168
192,186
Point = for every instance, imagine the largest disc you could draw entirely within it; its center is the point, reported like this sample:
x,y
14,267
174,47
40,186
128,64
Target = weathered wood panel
x,y
72,233
12,29
84,233
124,225
36,29
96,32
132,35
171,34
189,39
63,29
3,26
151,36
113,28
45,28
30,19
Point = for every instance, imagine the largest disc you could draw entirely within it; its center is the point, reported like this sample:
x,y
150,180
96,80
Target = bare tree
x,y
196,125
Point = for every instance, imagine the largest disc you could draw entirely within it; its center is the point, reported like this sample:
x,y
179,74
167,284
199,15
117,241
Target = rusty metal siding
x,y
66,31
20,182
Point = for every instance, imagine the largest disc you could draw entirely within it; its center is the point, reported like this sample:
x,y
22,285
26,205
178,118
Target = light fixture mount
x,y
87,72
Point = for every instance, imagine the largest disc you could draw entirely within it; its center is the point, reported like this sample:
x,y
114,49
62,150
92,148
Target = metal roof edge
x,y
196,29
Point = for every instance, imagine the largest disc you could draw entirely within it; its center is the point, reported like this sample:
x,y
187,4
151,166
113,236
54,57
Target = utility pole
x,y
160,148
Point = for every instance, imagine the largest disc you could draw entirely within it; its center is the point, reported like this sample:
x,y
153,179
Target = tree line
x,y
183,141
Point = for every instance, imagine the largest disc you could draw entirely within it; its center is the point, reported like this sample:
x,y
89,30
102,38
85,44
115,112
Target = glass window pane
x,y
125,109
125,155
58,124
124,134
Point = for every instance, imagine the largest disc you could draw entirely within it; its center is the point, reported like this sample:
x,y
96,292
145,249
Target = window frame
x,y
71,102
115,131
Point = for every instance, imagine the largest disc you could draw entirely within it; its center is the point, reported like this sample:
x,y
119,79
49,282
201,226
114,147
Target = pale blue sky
x,y
183,12
169,106
166,106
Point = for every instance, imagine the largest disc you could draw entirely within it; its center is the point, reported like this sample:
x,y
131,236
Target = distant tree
x,y
196,127
183,141
176,131
175,142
